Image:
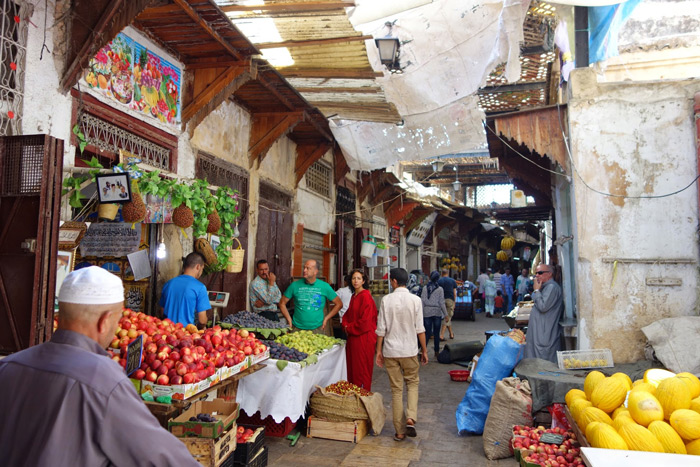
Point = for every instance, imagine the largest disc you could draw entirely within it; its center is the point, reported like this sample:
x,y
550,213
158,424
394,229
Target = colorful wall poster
x,y
127,72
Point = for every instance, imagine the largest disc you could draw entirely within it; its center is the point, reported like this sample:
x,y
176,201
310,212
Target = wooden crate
x,y
212,452
340,431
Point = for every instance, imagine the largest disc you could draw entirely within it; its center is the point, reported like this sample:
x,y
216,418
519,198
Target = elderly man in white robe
x,y
543,338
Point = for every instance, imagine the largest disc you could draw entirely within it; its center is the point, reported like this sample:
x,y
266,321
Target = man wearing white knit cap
x,y
65,402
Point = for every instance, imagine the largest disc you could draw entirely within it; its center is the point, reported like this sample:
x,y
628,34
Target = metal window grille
x,y
318,179
13,43
488,196
108,137
23,159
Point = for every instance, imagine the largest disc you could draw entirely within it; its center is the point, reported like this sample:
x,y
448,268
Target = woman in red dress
x,y
360,324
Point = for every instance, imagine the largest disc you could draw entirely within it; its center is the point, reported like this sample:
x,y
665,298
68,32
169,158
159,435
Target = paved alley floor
x,y
437,442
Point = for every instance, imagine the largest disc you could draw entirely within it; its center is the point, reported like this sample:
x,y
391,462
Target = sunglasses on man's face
x,y
539,273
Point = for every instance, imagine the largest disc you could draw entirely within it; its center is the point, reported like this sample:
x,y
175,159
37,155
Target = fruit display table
x,y
286,393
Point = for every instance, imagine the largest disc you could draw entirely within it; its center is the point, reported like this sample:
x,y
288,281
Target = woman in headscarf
x,y
434,310
412,285
360,325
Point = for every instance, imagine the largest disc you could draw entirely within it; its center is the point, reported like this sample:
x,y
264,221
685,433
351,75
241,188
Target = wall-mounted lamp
x,y
457,184
389,50
437,165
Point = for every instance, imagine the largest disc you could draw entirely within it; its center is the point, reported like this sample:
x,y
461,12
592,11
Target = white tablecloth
x,y
286,393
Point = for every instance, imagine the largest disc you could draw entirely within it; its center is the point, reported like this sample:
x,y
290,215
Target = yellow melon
x,y
670,440
648,387
577,406
593,414
693,383
644,407
591,381
693,447
609,394
607,438
592,431
695,404
574,394
622,419
656,375
624,377
636,382
619,411
673,394
687,423
639,438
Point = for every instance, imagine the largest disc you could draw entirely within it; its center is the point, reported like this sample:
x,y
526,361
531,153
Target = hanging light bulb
x,y
236,232
160,252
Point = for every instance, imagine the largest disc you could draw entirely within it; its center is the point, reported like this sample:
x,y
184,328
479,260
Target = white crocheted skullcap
x,y
91,286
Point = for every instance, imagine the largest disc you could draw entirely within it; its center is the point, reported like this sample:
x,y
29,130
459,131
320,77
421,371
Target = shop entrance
x,y
274,240
30,198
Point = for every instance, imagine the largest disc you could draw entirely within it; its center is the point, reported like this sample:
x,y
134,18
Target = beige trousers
x,y
402,370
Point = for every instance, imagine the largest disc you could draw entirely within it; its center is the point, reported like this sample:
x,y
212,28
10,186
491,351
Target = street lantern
x,y
437,165
457,184
388,52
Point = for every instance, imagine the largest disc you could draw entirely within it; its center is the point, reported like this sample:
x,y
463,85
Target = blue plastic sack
x,y
497,361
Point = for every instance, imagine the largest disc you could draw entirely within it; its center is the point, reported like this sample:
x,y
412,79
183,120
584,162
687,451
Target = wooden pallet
x,y
340,431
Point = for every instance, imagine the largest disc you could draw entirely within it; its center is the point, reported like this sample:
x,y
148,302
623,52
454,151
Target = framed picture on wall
x,y
113,188
64,265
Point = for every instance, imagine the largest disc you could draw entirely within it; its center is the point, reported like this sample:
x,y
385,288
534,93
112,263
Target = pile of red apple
x,y
174,354
526,439
243,435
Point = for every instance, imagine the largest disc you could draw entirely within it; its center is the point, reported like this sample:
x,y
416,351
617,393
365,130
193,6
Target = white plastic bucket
x,y
368,247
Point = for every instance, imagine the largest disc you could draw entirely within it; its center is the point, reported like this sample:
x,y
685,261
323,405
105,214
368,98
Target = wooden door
x,y
30,198
274,239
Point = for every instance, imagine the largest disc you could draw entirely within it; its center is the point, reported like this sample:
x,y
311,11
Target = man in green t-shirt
x,y
310,295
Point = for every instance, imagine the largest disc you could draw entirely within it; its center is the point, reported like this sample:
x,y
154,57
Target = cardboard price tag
x,y
133,355
551,438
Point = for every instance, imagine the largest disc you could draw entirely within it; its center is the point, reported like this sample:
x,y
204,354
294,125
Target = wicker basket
x,y
107,211
235,262
337,408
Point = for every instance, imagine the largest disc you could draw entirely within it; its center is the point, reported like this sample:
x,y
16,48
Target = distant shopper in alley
x,y
66,403
434,309
449,287
543,338
264,293
507,287
400,321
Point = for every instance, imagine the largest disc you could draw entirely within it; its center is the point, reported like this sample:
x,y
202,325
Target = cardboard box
x,y
340,431
228,371
227,413
212,452
259,358
179,391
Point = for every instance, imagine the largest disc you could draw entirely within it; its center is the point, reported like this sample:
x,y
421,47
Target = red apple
x,y
163,379
151,376
243,333
247,350
168,363
177,379
181,368
138,374
156,364
162,370
188,378
187,359
175,356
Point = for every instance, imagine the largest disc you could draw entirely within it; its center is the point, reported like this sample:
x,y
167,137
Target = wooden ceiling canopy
x,y
396,210
221,61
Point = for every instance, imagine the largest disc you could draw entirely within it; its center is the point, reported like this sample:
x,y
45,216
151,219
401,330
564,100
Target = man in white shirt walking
x,y
400,320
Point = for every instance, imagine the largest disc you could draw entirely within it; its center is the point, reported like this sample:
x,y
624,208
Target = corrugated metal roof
x,y
321,54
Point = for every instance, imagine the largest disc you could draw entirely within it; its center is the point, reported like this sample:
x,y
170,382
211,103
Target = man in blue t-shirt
x,y
184,296
449,287
310,295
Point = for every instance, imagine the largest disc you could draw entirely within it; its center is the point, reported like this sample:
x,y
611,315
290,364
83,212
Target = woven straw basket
x,y
235,262
337,408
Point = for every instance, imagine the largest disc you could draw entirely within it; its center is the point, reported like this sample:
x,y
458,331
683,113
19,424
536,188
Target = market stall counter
x,y
285,393
550,384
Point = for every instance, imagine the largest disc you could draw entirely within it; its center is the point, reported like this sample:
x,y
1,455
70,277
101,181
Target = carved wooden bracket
x,y
307,154
268,128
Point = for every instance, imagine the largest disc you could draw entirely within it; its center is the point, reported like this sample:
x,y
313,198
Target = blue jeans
x,y
432,328
509,302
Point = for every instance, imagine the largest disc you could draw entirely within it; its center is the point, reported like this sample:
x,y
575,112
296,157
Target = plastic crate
x,y
582,359
459,375
258,460
272,428
245,452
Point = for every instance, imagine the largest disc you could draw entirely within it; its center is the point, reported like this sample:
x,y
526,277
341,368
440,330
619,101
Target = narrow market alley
x,y
437,442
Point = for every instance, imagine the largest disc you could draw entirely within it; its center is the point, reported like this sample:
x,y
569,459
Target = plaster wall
x,y
315,212
632,140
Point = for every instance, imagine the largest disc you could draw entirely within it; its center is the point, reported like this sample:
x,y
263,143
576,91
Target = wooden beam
x,y
288,7
192,13
202,63
268,129
212,90
398,209
382,194
369,183
90,47
330,73
307,154
158,12
276,92
341,165
337,90
309,42
324,131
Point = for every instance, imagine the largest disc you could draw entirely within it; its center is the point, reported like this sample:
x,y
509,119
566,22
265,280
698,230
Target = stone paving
x,y
437,442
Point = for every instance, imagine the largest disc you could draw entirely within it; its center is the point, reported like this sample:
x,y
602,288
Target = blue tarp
x,y
497,361
604,23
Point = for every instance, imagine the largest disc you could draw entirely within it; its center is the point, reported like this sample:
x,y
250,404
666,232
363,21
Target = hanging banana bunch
x,y
502,256
507,243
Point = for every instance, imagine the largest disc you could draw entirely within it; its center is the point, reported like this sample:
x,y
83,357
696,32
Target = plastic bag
x,y
499,358
559,417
